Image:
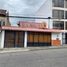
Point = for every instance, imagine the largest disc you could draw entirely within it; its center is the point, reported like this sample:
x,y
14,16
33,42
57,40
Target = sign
x,y
32,25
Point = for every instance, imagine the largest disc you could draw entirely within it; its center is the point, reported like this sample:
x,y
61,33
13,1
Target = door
x,y
39,39
14,39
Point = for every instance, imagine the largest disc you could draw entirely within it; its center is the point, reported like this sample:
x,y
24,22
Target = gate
x,y
13,39
39,39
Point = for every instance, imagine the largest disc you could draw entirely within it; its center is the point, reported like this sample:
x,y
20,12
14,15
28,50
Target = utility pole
x,y
49,22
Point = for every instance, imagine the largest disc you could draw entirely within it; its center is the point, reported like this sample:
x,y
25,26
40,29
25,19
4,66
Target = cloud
x,y
21,7
2,3
15,6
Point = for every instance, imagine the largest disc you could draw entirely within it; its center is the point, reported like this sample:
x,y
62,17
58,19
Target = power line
x,y
27,17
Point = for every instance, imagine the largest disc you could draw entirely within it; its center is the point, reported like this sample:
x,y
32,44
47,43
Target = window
x,y
66,3
58,25
65,14
58,14
58,3
2,23
66,25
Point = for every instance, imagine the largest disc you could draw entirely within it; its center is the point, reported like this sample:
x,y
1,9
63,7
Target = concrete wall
x,y
45,11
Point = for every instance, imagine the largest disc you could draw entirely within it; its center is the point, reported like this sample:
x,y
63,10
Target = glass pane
x,y
61,3
58,3
58,14
66,25
55,14
66,3
58,25
66,15
55,3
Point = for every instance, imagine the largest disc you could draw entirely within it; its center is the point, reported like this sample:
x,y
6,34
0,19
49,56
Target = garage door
x,y
13,39
39,39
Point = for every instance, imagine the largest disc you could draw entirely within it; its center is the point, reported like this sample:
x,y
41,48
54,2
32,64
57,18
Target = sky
x,y
21,7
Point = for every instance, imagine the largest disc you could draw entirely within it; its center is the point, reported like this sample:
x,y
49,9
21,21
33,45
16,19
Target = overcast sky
x,y
21,7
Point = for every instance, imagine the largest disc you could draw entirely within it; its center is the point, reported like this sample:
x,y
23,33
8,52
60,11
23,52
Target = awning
x,y
14,28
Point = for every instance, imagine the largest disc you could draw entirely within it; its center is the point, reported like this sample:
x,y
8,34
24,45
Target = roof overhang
x,y
14,28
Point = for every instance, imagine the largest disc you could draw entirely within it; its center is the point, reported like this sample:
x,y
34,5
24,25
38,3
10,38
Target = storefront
x,y
11,37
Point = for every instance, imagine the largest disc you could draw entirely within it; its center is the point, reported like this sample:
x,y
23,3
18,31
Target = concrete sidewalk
x,y
46,48
9,50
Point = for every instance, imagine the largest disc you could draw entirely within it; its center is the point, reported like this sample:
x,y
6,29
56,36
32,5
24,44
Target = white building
x,y
57,10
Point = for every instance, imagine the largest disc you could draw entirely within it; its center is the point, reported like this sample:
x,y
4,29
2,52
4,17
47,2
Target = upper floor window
x,y
58,3
65,3
58,24
58,14
2,23
65,14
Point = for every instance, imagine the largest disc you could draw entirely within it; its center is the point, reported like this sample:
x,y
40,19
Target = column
x,y
25,39
2,39
49,22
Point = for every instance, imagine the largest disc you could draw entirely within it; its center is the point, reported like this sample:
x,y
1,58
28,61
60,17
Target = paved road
x,y
42,58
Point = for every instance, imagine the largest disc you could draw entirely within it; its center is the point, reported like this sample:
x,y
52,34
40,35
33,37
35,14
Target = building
x,y
57,10
4,21
29,34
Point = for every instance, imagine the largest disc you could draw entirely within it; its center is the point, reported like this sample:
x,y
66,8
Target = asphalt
x,y
9,50
40,58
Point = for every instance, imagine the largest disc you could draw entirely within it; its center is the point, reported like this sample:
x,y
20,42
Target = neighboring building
x,y
29,34
4,21
57,10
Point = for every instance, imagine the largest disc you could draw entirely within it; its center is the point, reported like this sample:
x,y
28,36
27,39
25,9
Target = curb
x,y
13,50
48,48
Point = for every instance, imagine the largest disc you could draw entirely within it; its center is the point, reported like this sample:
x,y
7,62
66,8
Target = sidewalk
x,y
9,50
46,48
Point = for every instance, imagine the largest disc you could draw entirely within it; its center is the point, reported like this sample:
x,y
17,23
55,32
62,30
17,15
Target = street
x,y
41,58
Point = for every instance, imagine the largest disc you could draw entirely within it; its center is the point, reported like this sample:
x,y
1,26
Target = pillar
x,y
25,39
2,39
